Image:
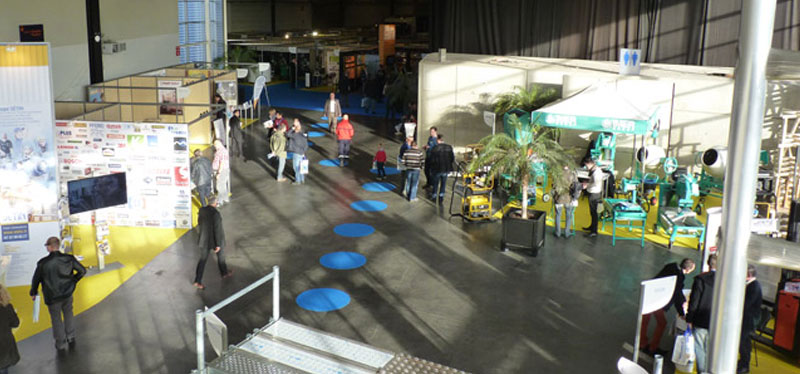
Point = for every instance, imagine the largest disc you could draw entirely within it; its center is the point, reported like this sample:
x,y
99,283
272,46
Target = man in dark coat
x,y
442,160
750,317
699,314
679,271
212,238
58,273
237,135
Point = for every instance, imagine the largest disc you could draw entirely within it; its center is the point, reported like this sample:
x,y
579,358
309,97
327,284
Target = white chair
x,y
625,366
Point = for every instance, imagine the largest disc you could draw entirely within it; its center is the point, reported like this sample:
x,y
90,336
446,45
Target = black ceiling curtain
x,y
695,32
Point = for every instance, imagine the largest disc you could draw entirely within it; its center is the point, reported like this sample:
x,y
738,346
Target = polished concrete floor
x,y
432,287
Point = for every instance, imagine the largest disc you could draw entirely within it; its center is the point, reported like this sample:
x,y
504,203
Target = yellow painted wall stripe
x,y
16,55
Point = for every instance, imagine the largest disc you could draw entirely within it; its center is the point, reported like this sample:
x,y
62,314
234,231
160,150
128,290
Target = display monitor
x,y
97,193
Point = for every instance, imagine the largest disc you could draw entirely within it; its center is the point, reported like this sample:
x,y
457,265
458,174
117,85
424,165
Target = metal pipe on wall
x,y
744,143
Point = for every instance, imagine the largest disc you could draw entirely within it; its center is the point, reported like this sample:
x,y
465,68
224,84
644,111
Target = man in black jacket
x,y
441,161
58,273
699,314
679,271
236,135
212,237
752,312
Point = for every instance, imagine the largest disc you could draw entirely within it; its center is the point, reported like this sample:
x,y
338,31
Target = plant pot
x,y
526,234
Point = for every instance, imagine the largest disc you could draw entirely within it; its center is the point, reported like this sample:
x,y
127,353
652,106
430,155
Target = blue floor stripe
x,y
332,162
315,134
388,169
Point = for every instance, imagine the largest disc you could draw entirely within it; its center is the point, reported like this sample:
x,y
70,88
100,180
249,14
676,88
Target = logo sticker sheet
x,y
155,157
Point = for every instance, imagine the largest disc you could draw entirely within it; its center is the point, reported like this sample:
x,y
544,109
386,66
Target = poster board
x,y
155,157
28,178
168,94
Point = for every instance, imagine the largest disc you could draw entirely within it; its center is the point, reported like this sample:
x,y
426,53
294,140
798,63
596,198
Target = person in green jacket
x,y
277,143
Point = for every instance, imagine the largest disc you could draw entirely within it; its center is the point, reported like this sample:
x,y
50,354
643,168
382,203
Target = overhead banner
x,y
28,184
154,156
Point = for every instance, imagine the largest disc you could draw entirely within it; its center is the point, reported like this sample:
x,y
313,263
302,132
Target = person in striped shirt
x,y
414,161
222,172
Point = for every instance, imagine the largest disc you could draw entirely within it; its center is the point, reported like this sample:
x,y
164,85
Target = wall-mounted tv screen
x,y
97,193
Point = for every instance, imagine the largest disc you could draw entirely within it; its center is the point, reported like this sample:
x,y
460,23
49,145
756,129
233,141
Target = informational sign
x,y
31,33
169,96
28,184
489,119
655,294
630,61
292,49
154,156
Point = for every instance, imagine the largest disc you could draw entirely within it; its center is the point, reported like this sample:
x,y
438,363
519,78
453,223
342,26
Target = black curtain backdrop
x,y
694,32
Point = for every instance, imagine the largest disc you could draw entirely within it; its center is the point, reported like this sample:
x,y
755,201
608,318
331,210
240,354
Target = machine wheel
x,y
545,197
699,209
669,246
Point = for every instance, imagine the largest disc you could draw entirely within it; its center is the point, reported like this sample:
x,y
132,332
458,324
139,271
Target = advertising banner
x,y
28,184
154,156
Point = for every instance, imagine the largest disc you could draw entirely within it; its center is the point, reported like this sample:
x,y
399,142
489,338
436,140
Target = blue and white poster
x,y
28,180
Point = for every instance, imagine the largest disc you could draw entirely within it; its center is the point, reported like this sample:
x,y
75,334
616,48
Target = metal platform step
x,y
330,344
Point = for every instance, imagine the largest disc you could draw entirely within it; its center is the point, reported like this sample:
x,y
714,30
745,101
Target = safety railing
x,y
202,314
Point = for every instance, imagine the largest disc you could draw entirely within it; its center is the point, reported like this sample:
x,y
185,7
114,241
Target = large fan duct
x,y
714,160
650,156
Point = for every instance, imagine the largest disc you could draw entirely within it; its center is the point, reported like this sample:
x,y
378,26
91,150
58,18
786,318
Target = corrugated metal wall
x,y
695,32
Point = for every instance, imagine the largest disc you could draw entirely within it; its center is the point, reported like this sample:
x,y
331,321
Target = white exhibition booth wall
x,y
28,180
695,100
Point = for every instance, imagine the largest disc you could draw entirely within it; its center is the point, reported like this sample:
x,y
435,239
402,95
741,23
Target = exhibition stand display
x,y
169,86
607,109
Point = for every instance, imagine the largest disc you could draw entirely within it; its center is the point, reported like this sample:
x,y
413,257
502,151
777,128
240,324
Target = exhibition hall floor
x,y
433,287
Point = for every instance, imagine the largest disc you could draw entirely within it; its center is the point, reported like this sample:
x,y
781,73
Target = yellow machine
x,y
476,195
476,203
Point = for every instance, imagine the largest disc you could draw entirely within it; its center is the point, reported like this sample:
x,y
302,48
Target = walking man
x,y
58,273
333,111
442,160
433,139
298,145
344,136
277,144
222,171
212,237
201,176
414,160
699,314
236,135
678,300
594,188
750,317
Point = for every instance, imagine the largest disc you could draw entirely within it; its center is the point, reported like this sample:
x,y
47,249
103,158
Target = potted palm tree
x,y
516,155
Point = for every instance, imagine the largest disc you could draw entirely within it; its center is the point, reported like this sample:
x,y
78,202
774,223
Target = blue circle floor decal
x,y
354,230
315,134
388,169
322,125
369,205
330,162
378,186
323,299
343,260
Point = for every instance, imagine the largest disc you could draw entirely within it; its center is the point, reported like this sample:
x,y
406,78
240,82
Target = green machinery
x,y
605,150
675,214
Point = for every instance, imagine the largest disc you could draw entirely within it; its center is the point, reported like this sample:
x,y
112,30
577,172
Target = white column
x,y
744,143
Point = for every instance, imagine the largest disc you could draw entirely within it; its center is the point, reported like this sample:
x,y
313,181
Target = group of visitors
x,y
697,312
436,159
